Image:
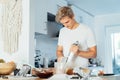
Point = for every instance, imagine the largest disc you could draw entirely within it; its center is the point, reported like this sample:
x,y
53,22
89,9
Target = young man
x,y
72,32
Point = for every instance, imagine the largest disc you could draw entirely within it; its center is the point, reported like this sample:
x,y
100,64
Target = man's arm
x,y
59,53
91,53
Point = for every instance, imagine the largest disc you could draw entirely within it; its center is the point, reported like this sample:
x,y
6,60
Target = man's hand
x,y
91,53
59,53
74,49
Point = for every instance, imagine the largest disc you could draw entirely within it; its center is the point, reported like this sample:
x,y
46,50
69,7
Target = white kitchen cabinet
x,y
40,16
41,9
82,16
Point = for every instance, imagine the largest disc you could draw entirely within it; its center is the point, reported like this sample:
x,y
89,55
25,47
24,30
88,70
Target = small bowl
x,y
43,73
6,68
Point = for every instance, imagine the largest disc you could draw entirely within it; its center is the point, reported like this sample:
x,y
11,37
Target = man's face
x,y
67,22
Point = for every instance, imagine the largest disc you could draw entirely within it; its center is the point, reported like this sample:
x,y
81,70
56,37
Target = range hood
x,y
53,27
50,17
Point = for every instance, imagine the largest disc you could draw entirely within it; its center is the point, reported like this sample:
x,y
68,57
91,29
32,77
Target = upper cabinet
x,y
83,16
41,13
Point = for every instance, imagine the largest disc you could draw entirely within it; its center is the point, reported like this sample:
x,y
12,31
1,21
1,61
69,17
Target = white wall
x,y
101,22
22,55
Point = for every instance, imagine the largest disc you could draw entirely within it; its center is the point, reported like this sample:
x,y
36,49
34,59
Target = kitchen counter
x,y
36,78
30,79
108,77
111,77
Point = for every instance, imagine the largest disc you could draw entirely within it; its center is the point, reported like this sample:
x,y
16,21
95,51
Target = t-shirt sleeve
x,y
90,38
60,38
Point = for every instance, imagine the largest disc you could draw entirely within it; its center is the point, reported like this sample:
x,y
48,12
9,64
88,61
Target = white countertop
x,y
111,77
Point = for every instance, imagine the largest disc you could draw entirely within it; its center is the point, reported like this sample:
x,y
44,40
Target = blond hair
x,y
63,12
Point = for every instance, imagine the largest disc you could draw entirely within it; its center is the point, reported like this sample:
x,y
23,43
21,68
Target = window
x,y
116,51
113,49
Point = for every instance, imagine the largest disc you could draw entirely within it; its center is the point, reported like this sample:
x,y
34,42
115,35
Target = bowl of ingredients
x,y
7,68
43,72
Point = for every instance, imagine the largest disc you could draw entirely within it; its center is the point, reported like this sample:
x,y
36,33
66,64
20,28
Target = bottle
x,y
45,62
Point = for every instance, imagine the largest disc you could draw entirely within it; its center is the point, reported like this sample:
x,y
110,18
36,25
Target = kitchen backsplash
x,y
45,50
